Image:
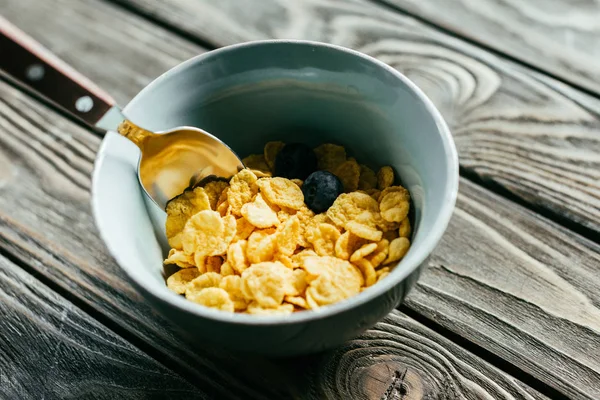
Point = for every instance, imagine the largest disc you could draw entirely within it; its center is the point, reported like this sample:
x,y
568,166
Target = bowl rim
x,y
408,265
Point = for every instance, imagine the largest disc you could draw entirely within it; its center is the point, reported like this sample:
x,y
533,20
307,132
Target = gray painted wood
x,y
525,132
73,257
45,223
51,349
557,36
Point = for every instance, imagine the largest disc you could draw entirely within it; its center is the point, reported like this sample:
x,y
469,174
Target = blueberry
x,y
320,190
295,161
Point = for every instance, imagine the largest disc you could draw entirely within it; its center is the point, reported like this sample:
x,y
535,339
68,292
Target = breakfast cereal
x,y
264,244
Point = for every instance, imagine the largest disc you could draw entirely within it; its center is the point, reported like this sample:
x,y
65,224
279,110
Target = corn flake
x,y
232,284
179,281
256,309
226,269
364,226
267,283
385,177
347,244
212,297
261,246
348,206
364,251
288,237
242,189
368,271
397,250
180,259
211,264
404,230
349,173
380,253
256,162
323,239
297,301
330,156
367,179
394,206
243,229
206,280
270,153
259,214
208,234
330,280
282,192
214,190
180,209
236,256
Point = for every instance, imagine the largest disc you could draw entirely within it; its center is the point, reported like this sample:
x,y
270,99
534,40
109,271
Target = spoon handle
x,y
27,62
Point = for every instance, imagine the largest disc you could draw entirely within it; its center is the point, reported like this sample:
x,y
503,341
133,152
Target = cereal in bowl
x,y
297,229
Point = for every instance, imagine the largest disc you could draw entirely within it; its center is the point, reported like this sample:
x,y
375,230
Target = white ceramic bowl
x,y
247,95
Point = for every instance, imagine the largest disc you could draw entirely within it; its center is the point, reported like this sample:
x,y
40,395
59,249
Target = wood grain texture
x,y
45,224
557,36
51,349
401,359
532,135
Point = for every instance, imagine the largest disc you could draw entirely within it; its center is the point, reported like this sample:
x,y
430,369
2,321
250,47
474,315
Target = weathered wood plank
x,y
51,349
401,359
532,135
557,36
45,223
94,271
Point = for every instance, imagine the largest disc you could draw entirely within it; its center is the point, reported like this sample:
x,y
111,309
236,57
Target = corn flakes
x,y
330,280
208,234
213,190
242,189
330,156
261,246
212,297
323,239
349,174
368,271
259,214
236,256
232,284
364,251
394,206
398,249
256,162
206,280
226,269
380,253
347,244
179,281
243,229
256,309
267,283
252,245
348,206
270,153
180,209
282,192
404,230
385,178
180,259
297,301
367,179
288,237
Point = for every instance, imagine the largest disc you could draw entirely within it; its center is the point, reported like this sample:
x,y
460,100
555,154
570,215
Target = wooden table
x,y
509,307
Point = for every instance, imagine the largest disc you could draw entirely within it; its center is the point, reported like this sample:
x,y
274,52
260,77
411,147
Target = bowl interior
x,y
291,91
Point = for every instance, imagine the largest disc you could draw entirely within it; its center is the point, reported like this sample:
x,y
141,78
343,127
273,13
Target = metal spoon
x,y
170,160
